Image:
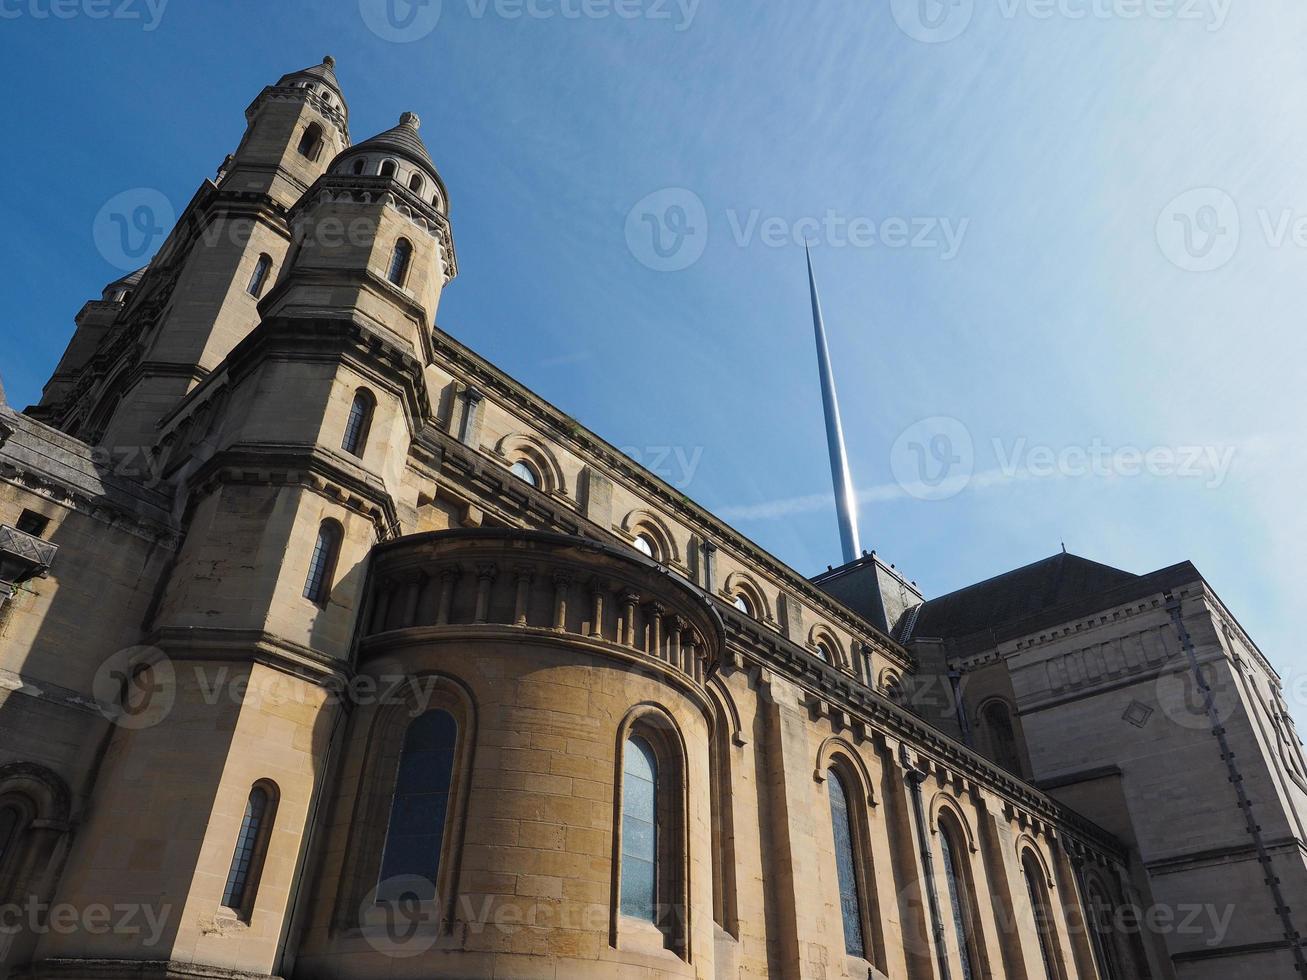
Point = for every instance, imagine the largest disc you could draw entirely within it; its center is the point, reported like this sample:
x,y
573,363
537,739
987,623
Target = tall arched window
x,y
1002,736
10,816
260,276
322,567
251,850
960,897
311,142
1100,916
399,261
640,842
415,183
360,165
410,862
359,423
846,865
388,168
1043,915
722,810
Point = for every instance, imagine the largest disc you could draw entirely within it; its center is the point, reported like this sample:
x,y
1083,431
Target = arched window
x,y
640,843
10,817
322,567
360,165
1100,916
645,545
824,652
846,865
311,142
388,168
960,898
523,471
399,262
415,183
260,276
743,604
1043,915
1002,736
722,809
251,849
359,423
435,202
410,862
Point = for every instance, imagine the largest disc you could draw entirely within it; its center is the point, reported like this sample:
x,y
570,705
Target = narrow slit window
x,y
322,567
251,848
399,262
846,865
311,142
410,863
359,423
259,278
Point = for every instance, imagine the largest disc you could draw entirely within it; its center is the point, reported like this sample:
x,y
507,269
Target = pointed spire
x,y
846,500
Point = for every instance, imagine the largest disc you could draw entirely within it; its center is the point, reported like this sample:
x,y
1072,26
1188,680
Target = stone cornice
x,y
596,451
311,467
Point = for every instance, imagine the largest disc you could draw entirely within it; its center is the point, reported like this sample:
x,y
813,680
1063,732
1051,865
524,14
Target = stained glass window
x,y
846,866
411,861
639,831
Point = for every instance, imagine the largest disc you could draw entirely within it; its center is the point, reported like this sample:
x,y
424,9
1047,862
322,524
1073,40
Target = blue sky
x,y
1067,230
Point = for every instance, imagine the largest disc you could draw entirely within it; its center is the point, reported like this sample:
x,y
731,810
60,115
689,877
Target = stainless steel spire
x,y
846,501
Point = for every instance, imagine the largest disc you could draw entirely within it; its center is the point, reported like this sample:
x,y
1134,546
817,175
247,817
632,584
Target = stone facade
x,y
329,650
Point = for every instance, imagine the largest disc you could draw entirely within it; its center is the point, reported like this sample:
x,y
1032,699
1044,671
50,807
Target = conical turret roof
x,y
325,73
403,140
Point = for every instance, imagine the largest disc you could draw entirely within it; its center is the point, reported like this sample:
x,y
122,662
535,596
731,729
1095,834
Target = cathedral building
x,y
328,650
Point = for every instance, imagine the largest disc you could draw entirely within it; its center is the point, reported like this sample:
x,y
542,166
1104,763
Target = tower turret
x,y
295,128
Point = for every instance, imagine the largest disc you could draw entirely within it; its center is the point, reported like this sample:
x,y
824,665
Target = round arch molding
x,y
519,447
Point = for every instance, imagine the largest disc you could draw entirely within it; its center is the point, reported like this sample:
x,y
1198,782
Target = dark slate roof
x,y
403,140
324,73
1017,595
